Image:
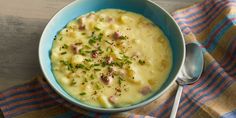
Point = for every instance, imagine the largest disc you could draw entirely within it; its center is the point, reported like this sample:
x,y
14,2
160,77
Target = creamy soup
x,y
111,58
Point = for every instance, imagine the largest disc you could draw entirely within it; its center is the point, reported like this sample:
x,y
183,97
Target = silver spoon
x,y
190,72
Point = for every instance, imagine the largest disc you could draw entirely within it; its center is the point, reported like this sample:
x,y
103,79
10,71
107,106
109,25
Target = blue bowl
x,y
145,7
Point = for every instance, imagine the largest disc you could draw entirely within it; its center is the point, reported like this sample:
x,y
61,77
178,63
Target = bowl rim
x,y
109,110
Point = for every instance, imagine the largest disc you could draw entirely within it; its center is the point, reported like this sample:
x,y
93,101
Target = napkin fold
x,y
210,23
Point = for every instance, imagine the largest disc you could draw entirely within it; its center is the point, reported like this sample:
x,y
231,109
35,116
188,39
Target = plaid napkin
x,y
211,24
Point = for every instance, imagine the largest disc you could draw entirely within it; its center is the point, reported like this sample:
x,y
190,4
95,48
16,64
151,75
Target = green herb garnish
x,y
87,51
97,69
80,66
82,52
63,53
86,46
123,37
100,36
83,93
96,64
64,62
104,64
70,67
88,60
97,86
92,77
108,42
92,41
120,80
109,49
93,38
128,62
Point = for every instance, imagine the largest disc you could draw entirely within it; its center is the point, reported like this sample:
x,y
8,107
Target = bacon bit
x,y
109,60
145,90
112,99
109,19
106,79
116,35
94,54
75,49
82,27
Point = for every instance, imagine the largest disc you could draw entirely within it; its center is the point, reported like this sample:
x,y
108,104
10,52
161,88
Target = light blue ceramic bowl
x,y
145,7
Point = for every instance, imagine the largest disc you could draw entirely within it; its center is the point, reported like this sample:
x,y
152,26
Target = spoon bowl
x,y
190,72
193,65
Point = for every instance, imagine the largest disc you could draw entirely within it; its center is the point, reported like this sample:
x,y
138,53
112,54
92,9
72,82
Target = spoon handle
x,y
176,103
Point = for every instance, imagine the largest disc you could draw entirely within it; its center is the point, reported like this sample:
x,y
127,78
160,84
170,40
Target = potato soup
x,y
111,58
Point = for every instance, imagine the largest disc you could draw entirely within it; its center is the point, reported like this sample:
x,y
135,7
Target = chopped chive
x,y
101,52
104,64
120,80
63,53
79,43
88,47
93,65
109,49
100,36
88,60
123,37
97,69
87,51
125,56
92,77
91,41
80,66
83,33
70,67
99,48
97,86
128,62
64,62
108,42
82,52
83,93
96,64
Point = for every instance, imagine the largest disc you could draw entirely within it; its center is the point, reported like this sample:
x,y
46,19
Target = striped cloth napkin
x,y
211,24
